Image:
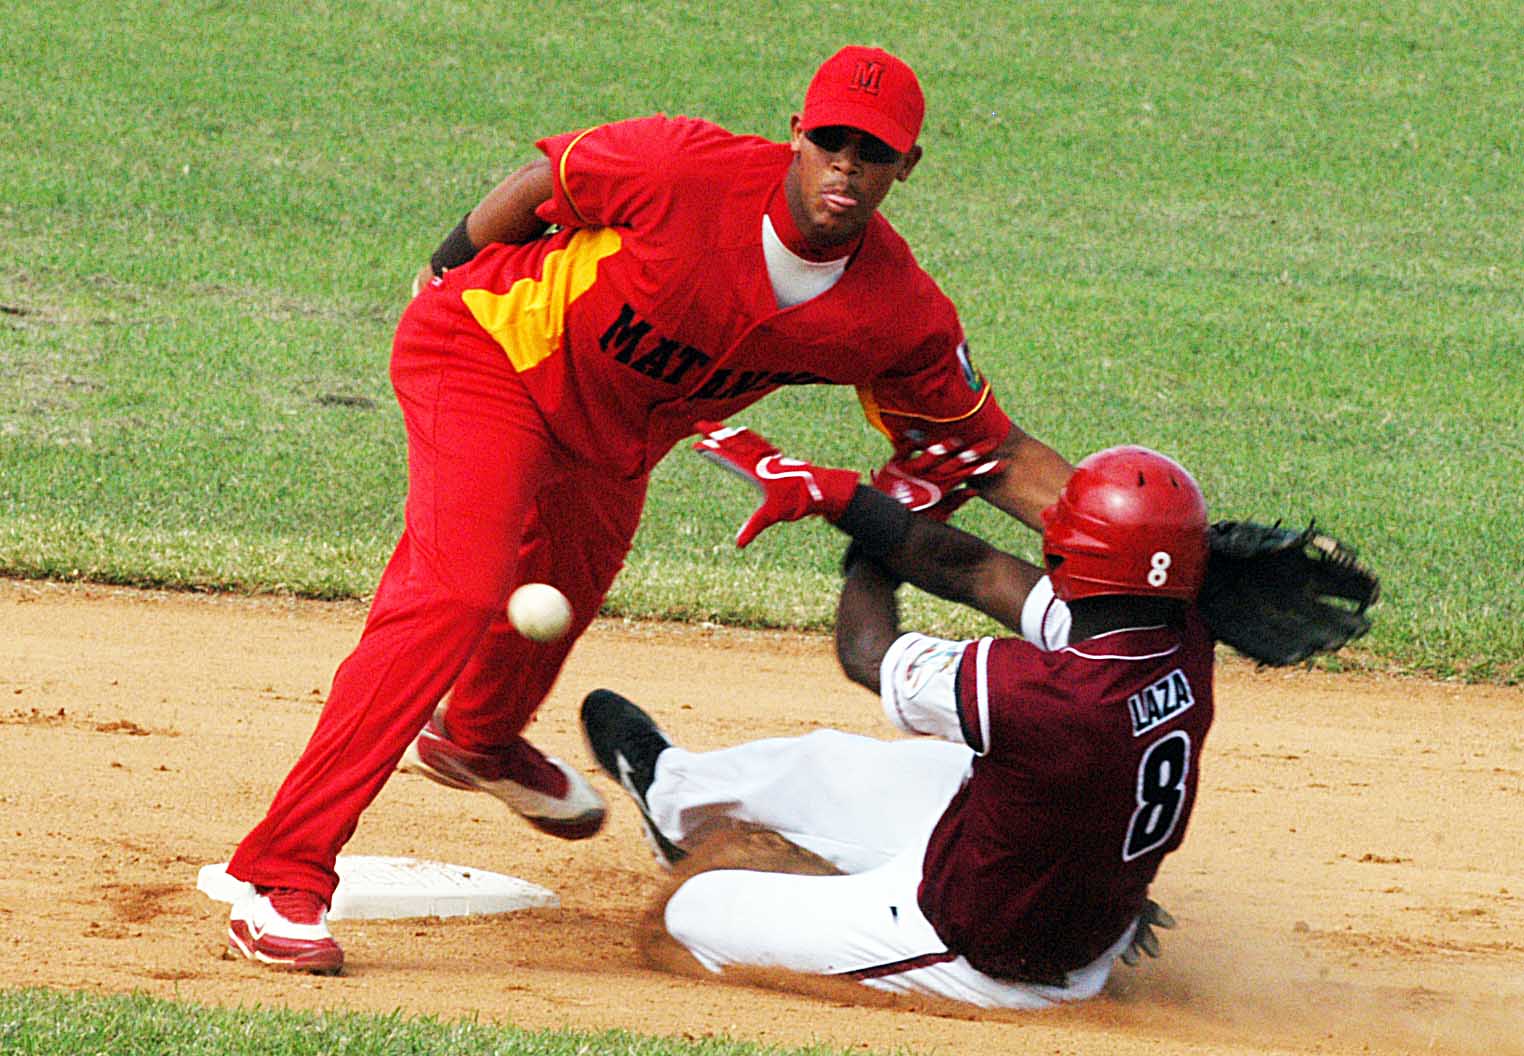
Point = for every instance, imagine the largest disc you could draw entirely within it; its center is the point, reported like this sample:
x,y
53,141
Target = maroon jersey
x,y
1084,780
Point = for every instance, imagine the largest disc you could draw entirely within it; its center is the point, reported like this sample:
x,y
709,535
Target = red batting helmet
x,y
1129,521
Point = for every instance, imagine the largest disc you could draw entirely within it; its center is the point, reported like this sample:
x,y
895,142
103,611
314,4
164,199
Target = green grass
x,y
1282,242
47,1022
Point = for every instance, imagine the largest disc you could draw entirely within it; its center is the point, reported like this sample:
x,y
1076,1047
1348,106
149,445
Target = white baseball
x,y
539,612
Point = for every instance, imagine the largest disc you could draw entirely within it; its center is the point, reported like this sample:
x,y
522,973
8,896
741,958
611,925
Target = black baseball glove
x,y
1279,595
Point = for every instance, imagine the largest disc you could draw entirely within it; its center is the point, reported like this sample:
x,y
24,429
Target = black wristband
x,y
874,521
455,250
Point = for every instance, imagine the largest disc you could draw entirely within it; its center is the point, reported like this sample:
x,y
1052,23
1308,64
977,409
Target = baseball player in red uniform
x,y
638,277
1005,859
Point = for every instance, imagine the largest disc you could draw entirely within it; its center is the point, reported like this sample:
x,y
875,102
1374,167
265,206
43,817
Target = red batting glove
x,y
929,482
791,489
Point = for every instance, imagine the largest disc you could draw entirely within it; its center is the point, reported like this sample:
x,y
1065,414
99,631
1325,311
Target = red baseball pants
x,y
493,501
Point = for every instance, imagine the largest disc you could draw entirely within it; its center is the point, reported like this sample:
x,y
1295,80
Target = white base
x,y
376,888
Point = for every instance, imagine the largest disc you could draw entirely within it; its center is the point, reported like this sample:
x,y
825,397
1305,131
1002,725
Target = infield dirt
x,y
1353,880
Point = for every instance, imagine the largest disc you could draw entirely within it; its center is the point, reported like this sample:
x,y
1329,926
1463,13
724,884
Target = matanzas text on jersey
x,y
632,343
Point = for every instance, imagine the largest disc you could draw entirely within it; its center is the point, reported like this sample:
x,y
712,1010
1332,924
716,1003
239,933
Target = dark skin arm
x,y
507,213
867,622
1029,482
935,557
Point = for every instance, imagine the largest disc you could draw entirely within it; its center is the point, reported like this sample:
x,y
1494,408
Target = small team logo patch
x,y
1156,704
970,376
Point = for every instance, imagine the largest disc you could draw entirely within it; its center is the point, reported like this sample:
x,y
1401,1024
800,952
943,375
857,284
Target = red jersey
x,y
651,308
1084,780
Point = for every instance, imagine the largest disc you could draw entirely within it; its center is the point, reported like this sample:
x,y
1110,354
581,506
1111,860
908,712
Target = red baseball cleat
x,y
286,928
546,792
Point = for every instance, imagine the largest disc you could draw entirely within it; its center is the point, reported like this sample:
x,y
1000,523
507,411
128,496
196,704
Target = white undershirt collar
x,y
796,280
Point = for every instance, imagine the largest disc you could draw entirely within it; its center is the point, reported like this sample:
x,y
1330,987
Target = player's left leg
x,y
820,925
575,539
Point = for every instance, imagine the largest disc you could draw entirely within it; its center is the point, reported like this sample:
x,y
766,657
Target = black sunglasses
x,y
831,138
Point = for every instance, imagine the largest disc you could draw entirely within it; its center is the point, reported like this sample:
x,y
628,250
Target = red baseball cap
x,y
867,89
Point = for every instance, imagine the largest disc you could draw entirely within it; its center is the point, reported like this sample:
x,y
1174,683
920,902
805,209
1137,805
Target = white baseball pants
x,y
867,806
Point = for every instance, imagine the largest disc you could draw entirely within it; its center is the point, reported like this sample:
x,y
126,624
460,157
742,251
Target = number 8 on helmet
x,y
1129,521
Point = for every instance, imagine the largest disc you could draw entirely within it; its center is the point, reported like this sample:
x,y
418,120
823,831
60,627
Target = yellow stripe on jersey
x,y
530,318
561,175
875,414
871,411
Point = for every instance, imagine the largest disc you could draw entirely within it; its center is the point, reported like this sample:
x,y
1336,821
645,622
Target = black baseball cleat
x,y
626,743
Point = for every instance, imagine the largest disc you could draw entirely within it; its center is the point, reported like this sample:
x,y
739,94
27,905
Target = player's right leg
x,y
476,452
284,928
854,801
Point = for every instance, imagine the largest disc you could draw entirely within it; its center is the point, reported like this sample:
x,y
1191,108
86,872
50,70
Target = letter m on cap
x,y
867,77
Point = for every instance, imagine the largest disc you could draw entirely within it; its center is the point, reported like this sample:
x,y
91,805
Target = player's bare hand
x,y
423,278
791,488
1144,940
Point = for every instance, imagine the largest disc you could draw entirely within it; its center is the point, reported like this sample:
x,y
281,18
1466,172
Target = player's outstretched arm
x,y
935,557
1019,475
1028,480
939,558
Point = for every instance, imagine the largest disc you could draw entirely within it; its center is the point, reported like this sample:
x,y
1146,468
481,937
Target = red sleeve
x,y
946,398
610,175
